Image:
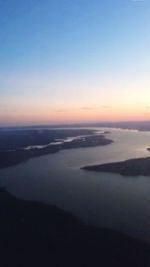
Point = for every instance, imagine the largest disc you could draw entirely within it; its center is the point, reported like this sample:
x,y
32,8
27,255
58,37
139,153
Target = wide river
x,y
106,200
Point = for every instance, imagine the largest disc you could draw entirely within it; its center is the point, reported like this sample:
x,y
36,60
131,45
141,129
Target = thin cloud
x,y
60,110
94,108
88,108
84,108
104,106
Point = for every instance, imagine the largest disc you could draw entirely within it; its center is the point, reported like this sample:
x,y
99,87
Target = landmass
x,y
17,147
35,234
131,167
130,125
16,138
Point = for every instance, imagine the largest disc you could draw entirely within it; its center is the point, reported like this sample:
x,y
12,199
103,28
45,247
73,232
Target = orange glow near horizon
x,y
74,100
82,105
44,116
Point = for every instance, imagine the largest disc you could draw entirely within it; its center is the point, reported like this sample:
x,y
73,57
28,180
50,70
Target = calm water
x,y
107,200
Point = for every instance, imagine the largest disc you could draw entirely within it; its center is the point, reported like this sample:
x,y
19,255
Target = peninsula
x,y
131,167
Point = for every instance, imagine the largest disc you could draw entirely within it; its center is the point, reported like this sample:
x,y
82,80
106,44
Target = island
x,y
36,234
131,167
19,146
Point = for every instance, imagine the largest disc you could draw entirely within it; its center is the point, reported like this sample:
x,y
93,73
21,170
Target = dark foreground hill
x,y
34,234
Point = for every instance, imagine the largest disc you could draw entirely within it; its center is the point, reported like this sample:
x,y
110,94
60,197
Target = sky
x,y
66,61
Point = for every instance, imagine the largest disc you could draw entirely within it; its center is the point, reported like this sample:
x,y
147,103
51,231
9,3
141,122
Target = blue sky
x,y
64,61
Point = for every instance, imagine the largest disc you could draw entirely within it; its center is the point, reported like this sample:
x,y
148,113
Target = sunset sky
x,y
64,61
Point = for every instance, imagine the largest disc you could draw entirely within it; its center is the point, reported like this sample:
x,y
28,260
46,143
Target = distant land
x,y
130,125
131,167
17,146
35,234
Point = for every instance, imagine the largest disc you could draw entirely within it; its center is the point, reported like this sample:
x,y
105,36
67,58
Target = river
x,y
102,199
